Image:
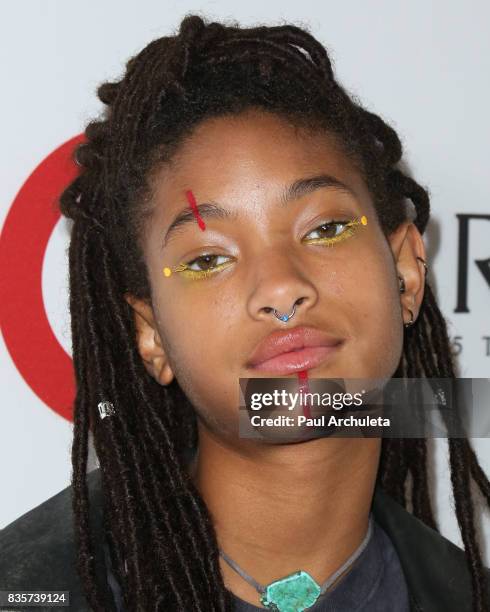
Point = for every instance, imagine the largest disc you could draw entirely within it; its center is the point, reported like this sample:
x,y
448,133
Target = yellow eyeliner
x,y
347,232
349,229
194,274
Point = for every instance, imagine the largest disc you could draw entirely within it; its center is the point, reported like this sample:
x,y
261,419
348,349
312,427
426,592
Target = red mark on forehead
x,y
192,202
305,388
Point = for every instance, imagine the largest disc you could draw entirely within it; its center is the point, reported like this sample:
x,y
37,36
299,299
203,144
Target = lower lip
x,y
296,361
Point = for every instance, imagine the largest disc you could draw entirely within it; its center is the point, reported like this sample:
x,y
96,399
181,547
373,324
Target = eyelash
x,y
349,228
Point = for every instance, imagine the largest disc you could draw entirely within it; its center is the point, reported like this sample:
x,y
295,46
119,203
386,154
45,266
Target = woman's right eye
x,y
209,262
203,266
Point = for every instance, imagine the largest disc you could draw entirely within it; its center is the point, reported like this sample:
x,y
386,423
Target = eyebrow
x,y
212,210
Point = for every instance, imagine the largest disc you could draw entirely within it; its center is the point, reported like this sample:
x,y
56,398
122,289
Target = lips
x,y
297,349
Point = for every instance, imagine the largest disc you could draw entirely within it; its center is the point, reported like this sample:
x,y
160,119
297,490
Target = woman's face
x,y
203,330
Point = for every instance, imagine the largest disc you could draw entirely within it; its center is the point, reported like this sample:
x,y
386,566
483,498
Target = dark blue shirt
x,y
374,583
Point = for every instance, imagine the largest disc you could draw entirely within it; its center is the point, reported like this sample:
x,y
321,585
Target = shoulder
x,y
436,570
38,548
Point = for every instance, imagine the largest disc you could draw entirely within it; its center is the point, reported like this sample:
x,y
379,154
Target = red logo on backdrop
x,y
35,350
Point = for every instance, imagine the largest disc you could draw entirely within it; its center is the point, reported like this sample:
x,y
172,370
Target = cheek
x,y
195,339
334,282
378,327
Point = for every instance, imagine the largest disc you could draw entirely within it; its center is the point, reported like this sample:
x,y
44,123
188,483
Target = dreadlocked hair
x,y
160,533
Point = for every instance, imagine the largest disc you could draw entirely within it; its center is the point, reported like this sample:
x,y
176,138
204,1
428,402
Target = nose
x,y
281,291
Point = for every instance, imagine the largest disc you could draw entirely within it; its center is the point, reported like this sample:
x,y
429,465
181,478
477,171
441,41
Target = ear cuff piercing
x,y
426,267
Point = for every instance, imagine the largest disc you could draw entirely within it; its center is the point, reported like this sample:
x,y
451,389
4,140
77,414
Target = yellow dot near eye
x,y
167,271
364,220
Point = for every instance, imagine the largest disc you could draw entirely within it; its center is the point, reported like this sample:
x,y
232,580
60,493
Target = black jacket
x,y
37,552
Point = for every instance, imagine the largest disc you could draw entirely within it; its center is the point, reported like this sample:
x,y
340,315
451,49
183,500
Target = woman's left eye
x,y
330,232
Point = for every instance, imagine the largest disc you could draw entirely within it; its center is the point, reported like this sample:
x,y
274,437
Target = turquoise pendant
x,y
294,593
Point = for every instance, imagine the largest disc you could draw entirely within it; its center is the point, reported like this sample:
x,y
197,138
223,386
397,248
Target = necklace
x,y
297,591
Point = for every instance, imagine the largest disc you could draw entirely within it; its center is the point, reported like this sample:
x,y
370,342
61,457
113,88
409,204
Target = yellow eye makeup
x,y
333,233
187,271
336,231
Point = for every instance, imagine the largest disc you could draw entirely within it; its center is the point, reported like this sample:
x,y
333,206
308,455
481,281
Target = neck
x,y
280,508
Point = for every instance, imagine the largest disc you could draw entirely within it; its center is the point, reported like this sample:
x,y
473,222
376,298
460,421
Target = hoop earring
x,y
411,322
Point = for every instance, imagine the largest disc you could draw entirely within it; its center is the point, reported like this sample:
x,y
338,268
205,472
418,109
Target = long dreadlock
x,y
158,527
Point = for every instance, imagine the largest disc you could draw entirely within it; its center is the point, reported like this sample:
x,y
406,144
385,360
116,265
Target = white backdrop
x,y
423,66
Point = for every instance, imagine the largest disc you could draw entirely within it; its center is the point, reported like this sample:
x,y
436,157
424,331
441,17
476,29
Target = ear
x,y
149,342
407,244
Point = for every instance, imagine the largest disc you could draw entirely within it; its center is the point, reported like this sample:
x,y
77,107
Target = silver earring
x,y
411,322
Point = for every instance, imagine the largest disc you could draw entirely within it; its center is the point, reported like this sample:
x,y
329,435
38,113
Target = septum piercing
x,y
285,318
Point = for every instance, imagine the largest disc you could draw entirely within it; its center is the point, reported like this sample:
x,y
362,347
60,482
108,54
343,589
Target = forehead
x,y
254,153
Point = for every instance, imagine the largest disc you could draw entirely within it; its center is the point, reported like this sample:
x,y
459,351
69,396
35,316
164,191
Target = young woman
x,y
227,160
